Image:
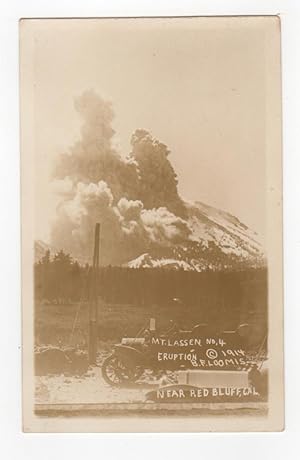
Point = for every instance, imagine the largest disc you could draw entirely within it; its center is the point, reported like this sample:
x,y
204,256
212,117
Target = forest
x,y
221,296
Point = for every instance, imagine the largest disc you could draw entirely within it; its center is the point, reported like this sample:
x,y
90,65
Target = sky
x,y
197,85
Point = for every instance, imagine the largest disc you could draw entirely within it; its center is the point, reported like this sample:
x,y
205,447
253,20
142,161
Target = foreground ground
x,y
74,393
89,388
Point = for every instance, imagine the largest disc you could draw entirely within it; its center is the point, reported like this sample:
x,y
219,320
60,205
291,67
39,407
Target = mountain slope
x,y
218,241
40,249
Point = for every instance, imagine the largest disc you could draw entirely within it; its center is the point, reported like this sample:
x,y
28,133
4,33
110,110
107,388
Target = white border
x,y
18,445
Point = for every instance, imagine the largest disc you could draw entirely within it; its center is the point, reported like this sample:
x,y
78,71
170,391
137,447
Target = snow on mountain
x,y
147,261
218,241
224,230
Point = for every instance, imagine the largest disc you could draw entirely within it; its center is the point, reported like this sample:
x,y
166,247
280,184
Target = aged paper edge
x,y
274,421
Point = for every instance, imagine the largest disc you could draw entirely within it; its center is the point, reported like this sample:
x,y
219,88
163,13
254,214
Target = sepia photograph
x,y
151,224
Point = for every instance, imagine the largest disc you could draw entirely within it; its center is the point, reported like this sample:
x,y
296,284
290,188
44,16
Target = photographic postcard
x,y
152,285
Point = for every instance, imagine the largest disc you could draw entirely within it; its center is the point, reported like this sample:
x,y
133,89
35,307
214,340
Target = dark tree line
x,y
61,279
224,298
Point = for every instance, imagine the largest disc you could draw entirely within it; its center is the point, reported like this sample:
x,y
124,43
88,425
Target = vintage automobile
x,y
201,347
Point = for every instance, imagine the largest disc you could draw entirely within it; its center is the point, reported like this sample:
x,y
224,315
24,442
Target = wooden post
x,y
152,324
93,304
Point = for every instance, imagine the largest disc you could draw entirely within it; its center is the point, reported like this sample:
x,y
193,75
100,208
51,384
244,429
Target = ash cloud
x,y
135,198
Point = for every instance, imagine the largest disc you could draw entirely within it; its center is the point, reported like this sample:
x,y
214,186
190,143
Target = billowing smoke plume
x,y
134,198
157,178
93,157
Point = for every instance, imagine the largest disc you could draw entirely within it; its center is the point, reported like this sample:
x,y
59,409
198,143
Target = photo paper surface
x,y
151,224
